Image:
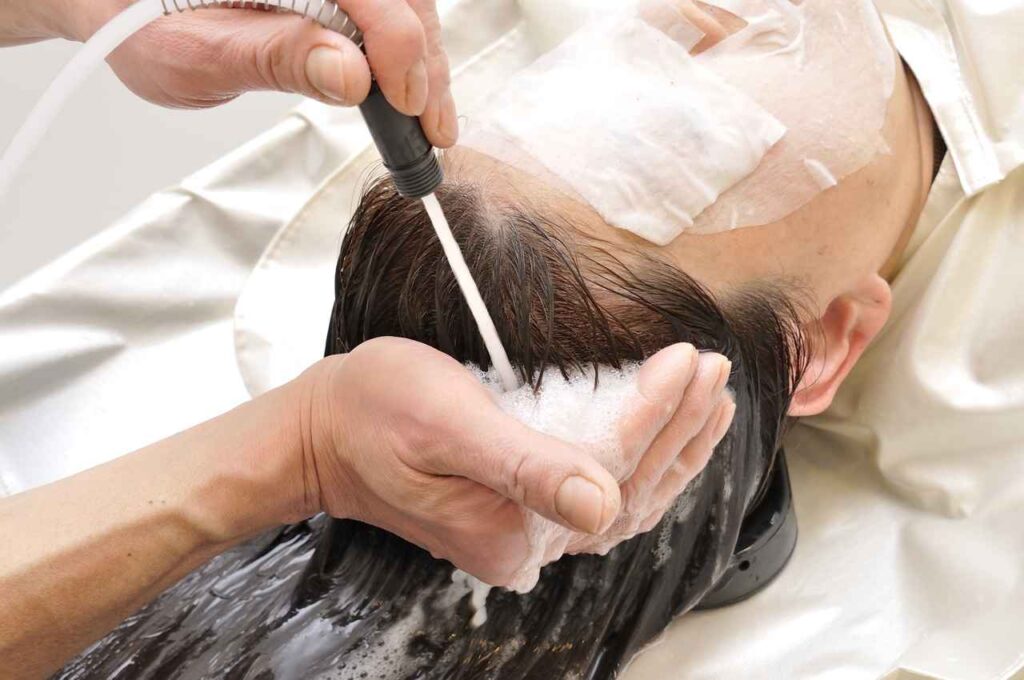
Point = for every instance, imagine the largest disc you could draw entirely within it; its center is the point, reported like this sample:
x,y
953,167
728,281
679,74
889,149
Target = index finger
x,y
396,48
439,119
661,384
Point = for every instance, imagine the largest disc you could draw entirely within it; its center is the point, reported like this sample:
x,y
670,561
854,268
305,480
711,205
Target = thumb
x,y
270,51
545,474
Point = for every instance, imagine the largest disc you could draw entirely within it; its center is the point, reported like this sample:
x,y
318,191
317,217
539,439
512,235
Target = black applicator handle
x,y
407,154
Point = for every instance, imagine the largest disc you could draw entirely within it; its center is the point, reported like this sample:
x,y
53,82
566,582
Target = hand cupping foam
x,y
573,410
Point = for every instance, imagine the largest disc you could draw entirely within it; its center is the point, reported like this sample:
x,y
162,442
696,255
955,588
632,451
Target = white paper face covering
x,y
659,143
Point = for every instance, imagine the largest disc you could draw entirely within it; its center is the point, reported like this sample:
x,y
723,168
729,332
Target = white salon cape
x,y
909,492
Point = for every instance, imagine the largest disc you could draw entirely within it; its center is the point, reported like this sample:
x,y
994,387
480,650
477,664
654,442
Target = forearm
x,y
83,553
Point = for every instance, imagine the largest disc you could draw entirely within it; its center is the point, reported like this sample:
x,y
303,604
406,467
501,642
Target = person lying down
x,y
572,287
330,598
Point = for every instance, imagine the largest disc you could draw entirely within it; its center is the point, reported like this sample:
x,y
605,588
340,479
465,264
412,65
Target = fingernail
x,y
325,68
580,502
449,123
416,88
725,370
726,412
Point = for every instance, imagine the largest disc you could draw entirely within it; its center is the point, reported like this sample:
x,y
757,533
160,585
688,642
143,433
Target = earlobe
x,y
844,331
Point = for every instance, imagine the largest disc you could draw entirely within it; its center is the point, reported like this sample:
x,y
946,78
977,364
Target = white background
x,y
106,152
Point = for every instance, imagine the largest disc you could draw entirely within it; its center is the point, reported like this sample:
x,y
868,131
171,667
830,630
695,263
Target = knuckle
x,y
270,62
696,403
680,470
515,464
652,520
636,432
430,427
435,416
678,477
439,72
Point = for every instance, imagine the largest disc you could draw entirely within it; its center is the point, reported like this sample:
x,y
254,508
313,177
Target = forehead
x,y
833,223
749,131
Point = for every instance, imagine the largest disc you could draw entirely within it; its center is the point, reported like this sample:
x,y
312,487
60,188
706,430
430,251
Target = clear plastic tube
x,y
116,31
67,82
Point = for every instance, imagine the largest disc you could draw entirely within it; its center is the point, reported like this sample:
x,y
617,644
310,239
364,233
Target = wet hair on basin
x,y
339,599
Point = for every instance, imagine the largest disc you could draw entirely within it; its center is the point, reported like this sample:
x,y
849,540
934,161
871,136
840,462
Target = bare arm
x,y
366,436
81,554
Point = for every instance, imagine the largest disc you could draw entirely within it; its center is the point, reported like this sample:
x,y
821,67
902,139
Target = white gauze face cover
x,y
658,142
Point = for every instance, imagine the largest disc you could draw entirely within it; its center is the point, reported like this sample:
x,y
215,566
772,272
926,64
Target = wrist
x,y
326,466
255,467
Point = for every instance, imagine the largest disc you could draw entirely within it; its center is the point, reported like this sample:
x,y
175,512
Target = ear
x,y
850,322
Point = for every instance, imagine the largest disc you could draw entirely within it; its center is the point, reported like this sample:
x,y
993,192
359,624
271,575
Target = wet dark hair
x,y
340,599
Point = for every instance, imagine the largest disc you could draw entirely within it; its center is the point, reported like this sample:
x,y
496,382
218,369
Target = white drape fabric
x,y
909,492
